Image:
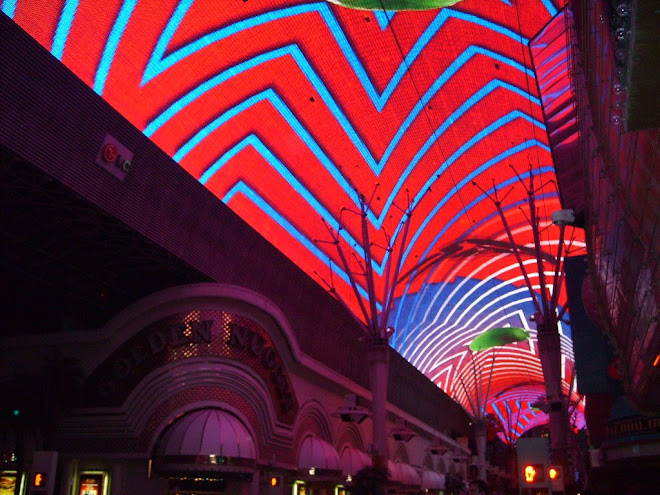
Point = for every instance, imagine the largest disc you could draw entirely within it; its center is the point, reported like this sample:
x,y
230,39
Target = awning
x,y
403,473
319,454
352,460
207,432
433,481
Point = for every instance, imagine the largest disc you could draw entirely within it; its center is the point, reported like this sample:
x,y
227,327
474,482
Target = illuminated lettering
x,y
244,338
140,355
269,359
157,342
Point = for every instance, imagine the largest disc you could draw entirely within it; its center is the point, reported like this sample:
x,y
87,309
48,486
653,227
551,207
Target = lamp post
x,y
379,361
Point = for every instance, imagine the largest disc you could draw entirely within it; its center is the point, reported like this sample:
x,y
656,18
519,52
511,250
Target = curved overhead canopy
x,y
291,112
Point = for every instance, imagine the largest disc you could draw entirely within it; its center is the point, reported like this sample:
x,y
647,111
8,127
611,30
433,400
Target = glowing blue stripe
x,y
468,207
469,103
483,197
499,414
191,96
295,52
277,102
455,156
63,28
445,338
550,98
549,7
444,77
547,71
410,317
9,8
243,188
157,63
271,96
111,45
555,80
427,35
305,67
383,17
277,164
549,59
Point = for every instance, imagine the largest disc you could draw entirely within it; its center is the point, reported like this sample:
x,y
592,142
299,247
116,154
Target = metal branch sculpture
x,y
373,321
546,313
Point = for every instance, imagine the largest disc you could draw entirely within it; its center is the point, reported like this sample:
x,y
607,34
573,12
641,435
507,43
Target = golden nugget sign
x,y
213,333
157,341
246,339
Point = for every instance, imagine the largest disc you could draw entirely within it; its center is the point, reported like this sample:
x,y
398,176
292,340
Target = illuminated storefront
x,y
203,389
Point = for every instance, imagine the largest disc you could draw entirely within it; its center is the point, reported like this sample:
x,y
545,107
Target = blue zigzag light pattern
x,y
427,157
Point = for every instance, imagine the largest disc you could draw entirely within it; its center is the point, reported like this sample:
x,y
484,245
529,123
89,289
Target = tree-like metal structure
x,y
373,320
483,353
477,395
546,314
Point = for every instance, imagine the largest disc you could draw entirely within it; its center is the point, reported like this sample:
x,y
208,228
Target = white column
x,y
379,360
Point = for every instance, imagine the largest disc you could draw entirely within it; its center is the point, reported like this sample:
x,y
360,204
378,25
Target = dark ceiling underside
x,y
65,265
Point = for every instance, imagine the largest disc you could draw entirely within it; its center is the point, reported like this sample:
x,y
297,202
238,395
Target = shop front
x,y
206,451
319,469
203,389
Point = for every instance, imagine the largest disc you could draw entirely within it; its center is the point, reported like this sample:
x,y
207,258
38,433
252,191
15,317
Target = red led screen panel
x,y
291,111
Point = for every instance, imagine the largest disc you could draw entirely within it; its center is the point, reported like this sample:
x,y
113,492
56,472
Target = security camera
x,y
563,217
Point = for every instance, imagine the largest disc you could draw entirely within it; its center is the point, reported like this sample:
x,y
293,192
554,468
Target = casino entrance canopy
x,y
290,111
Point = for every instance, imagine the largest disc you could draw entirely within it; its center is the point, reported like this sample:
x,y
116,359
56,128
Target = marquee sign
x,y
184,336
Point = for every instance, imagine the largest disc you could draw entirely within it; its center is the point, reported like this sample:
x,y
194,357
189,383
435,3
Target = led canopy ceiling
x,y
293,112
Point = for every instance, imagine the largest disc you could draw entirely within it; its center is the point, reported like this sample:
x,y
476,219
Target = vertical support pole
x,y
550,355
546,317
379,360
480,440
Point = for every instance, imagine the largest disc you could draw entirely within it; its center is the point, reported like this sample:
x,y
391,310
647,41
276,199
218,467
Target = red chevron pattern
x,y
289,110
